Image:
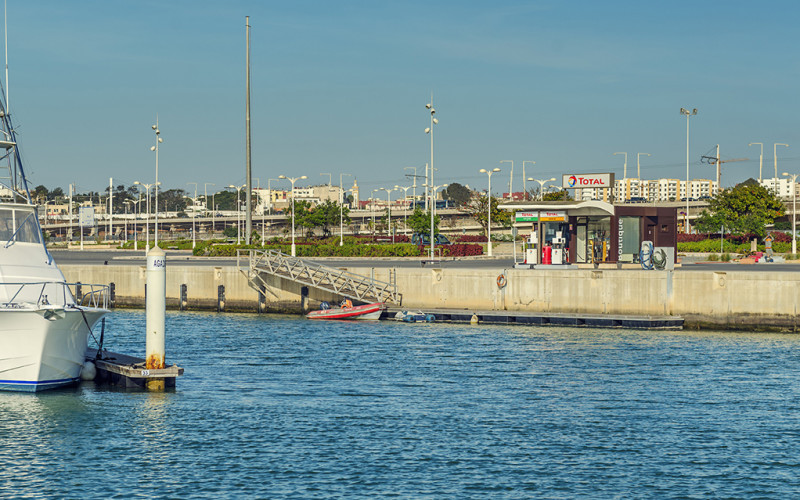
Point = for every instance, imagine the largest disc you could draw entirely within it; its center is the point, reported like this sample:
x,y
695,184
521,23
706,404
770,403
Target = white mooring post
x,y
156,306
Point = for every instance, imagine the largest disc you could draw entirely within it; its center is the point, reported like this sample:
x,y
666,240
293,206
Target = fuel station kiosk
x,y
560,233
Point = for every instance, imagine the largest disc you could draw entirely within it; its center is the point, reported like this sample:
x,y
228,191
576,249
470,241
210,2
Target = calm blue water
x,y
276,406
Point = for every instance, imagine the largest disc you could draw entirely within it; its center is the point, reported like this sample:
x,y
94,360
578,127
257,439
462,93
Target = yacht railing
x,y
58,293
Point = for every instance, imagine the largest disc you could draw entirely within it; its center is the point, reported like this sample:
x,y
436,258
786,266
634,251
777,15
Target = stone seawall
x,y
743,299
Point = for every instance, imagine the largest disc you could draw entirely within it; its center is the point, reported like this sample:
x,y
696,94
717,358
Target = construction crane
x,y
715,160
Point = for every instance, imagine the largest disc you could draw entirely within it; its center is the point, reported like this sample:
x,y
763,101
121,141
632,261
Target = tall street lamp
x,y
433,212
126,203
638,165
775,156
760,159
292,180
429,130
489,209
524,186
624,165
341,209
159,140
688,114
147,214
372,204
794,209
194,211
510,179
238,210
205,197
542,182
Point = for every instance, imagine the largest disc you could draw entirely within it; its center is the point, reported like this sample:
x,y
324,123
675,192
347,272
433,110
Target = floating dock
x,y
128,372
544,318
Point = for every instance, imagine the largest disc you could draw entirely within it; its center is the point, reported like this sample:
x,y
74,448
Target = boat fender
x,y
88,371
501,281
430,318
474,320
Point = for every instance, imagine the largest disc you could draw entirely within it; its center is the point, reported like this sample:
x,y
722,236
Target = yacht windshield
x,y
18,225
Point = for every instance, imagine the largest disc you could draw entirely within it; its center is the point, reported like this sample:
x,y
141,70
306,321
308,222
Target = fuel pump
x,y
558,244
531,250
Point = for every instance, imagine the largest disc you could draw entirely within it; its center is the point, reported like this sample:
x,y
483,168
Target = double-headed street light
x,y
159,140
542,182
389,207
341,209
292,180
147,215
405,208
489,209
688,113
794,209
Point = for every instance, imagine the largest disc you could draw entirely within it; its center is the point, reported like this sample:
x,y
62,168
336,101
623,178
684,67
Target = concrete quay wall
x,y
744,299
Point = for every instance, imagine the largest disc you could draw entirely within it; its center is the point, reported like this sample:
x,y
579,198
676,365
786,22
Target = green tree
x,y
420,222
557,196
747,208
457,193
478,209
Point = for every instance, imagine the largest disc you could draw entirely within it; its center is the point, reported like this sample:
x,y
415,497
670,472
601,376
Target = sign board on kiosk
x,y
541,216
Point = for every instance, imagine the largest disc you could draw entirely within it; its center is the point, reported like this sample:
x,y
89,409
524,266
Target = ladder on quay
x,y
329,279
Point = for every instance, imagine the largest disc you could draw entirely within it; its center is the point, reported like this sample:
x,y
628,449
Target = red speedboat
x,y
348,311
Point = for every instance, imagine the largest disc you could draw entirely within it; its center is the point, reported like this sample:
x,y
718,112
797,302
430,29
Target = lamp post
x,y
147,214
205,197
341,209
238,210
405,208
775,156
542,182
372,204
688,114
433,212
638,165
159,140
794,209
760,159
135,217
429,130
510,179
126,203
489,209
414,192
194,211
389,207
292,180
524,186
624,165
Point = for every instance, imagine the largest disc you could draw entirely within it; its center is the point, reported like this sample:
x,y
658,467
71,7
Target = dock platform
x,y
545,318
129,372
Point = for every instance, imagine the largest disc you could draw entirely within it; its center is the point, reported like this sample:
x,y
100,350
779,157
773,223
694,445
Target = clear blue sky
x,y
340,86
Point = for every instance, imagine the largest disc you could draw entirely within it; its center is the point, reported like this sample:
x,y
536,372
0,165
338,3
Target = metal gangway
x,y
329,279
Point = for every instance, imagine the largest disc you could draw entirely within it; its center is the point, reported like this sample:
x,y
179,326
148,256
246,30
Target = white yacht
x,y
44,327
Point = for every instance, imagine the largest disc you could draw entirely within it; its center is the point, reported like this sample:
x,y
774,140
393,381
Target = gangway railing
x,y
329,279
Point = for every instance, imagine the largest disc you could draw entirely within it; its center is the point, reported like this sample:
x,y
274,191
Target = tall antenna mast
x,y
5,45
249,204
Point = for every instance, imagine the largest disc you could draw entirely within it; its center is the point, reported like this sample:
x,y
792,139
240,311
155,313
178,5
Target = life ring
x,y
501,281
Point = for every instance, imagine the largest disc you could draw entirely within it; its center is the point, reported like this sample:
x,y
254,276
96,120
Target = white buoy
x,y
156,307
88,371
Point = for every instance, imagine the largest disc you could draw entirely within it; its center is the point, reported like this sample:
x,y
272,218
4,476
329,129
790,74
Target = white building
x,y
782,187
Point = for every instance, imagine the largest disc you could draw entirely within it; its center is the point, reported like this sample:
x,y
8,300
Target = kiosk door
x,y
580,244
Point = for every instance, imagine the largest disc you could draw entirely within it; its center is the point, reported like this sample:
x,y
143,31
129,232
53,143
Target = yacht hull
x,y
44,348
